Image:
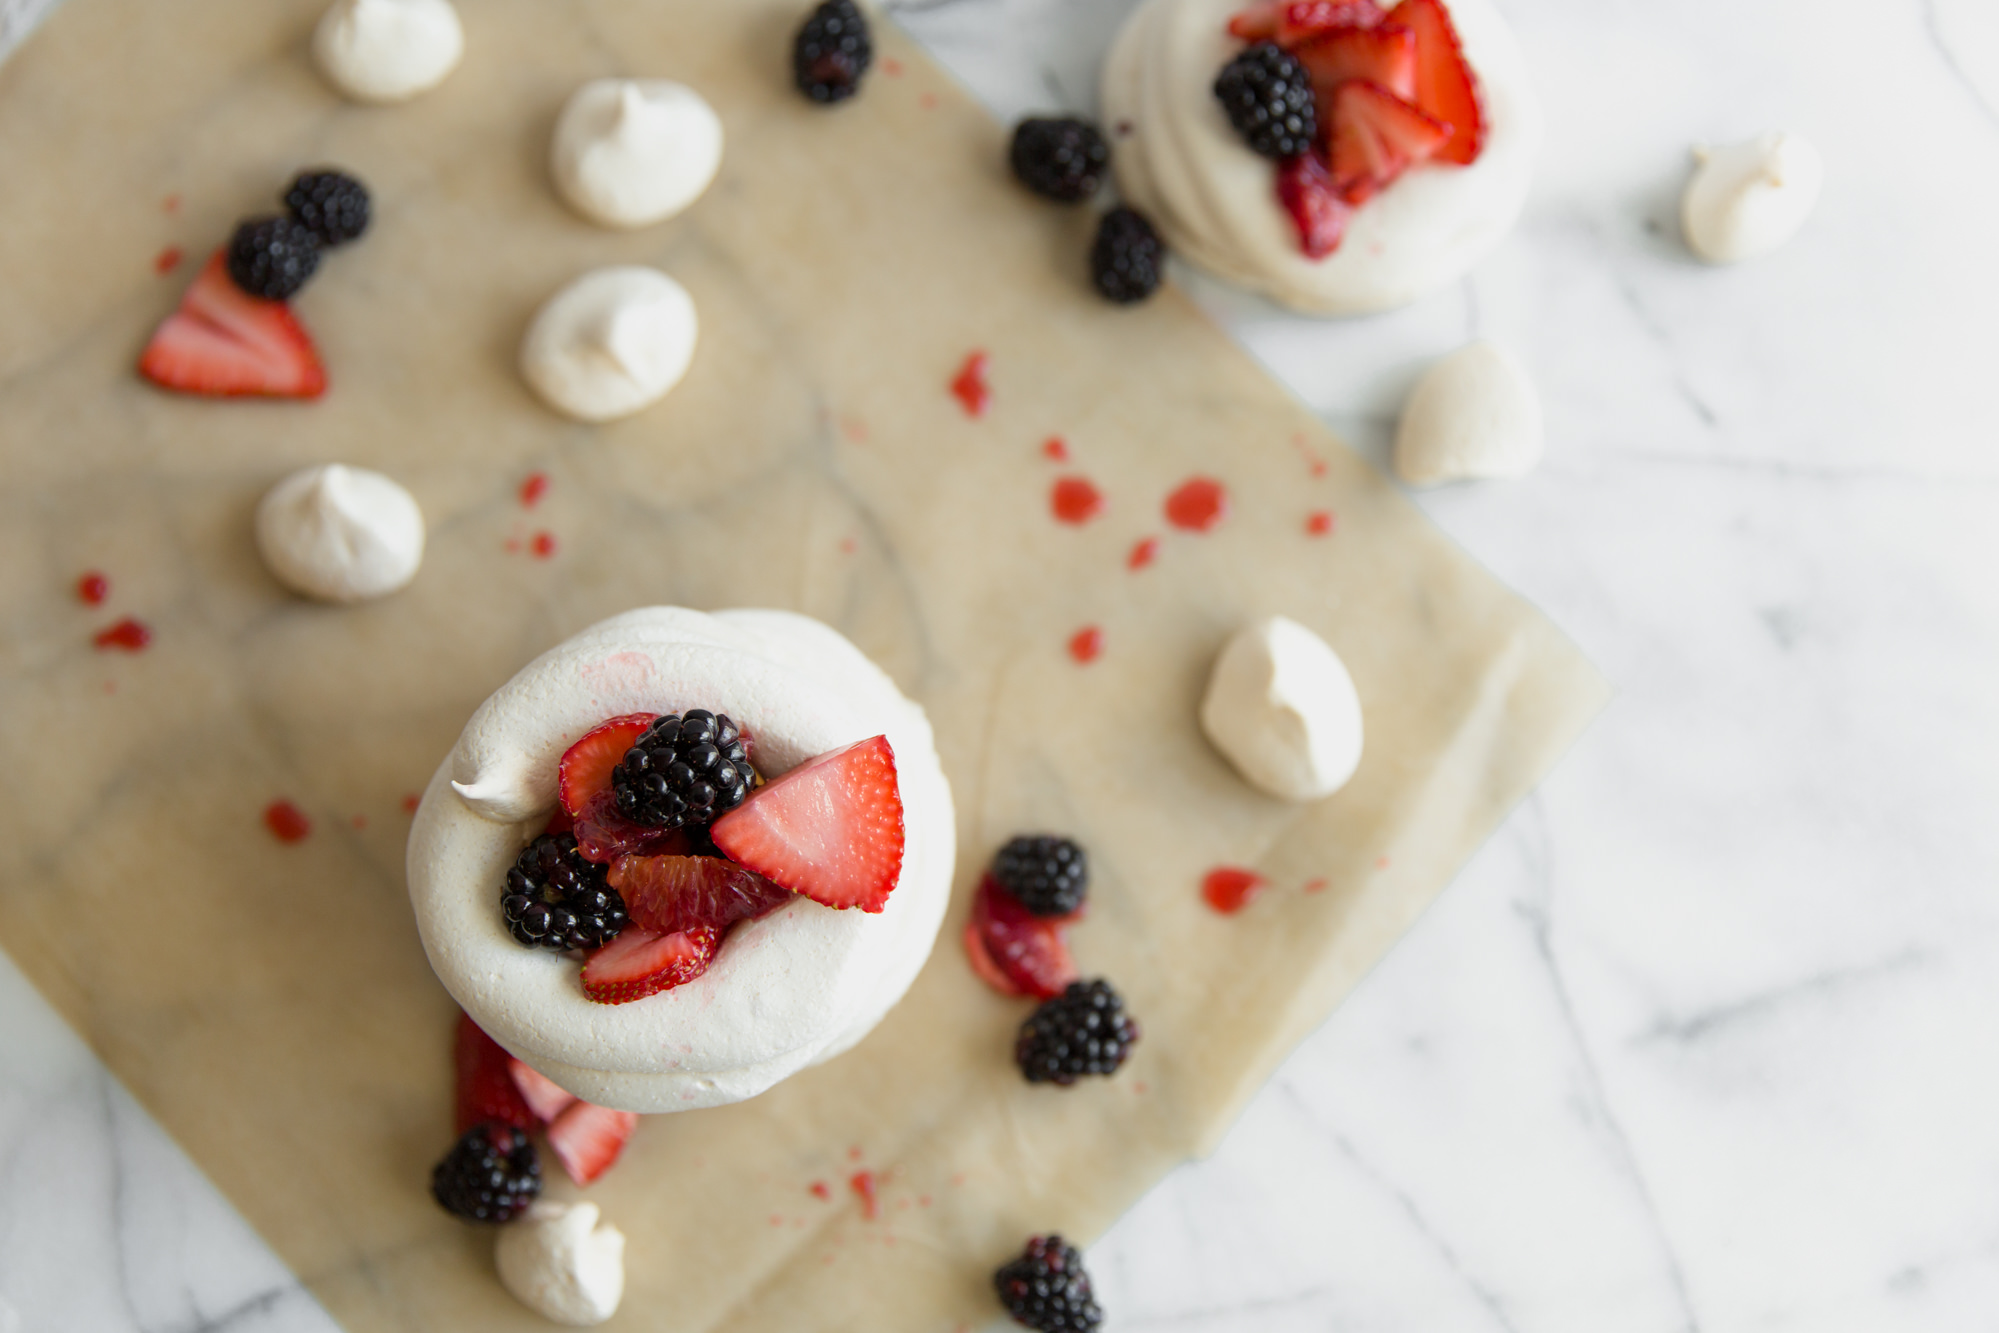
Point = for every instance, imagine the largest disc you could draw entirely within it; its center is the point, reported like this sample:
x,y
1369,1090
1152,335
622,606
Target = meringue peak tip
x,y
496,799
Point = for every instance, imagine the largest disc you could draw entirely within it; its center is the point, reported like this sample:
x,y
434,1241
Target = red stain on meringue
x,y
1229,889
1055,449
1319,523
970,387
862,1183
92,588
1075,500
1198,505
1143,553
1086,645
127,636
286,821
533,489
167,260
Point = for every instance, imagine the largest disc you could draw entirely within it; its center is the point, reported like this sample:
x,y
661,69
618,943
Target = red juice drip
x,y
533,489
1075,500
970,387
1056,449
1143,554
1087,644
544,545
1229,889
128,635
286,821
1199,504
93,588
1320,523
863,1185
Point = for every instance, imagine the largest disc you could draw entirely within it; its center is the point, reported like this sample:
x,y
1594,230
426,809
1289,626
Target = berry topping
x,y
1048,876
1290,23
486,1087
1126,260
830,829
1445,87
683,771
643,962
543,1095
225,343
587,1139
1385,54
1268,97
272,257
1376,137
329,204
1084,1030
1060,159
1305,189
1047,1288
1015,951
669,893
490,1175
586,766
831,52
554,899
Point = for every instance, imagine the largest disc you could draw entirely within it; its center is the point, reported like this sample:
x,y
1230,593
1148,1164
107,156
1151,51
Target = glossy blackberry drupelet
x,y
1084,1030
490,1175
1064,160
330,204
831,53
1126,260
554,899
1049,876
1268,96
684,771
1048,1289
272,257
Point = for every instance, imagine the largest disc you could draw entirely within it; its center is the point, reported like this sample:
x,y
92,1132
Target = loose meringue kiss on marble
x,y
1748,199
1473,415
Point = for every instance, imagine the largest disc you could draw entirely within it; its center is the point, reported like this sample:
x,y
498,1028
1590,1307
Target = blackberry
x,y
331,205
1049,876
490,1175
1064,160
1048,1289
272,257
554,899
831,52
684,771
1126,259
1084,1030
1268,96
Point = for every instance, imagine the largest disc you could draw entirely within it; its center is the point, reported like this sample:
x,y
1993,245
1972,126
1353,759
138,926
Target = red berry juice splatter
x,y
1198,505
820,1190
167,260
892,67
1055,449
970,387
1229,889
92,588
1144,553
1075,500
1319,523
171,204
533,489
128,635
1086,645
1317,885
544,545
286,821
411,802
862,1183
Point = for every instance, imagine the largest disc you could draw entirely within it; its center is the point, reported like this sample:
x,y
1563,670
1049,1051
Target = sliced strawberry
x,y
1305,188
486,1090
644,962
587,1139
603,835
1446,88
544,1096
669,893
830,829
586,766
1376,137
1027,950
1385,55
1291,23
226,343
983,965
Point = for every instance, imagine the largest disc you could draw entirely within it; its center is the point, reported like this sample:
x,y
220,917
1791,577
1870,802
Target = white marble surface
x,y
1703,1040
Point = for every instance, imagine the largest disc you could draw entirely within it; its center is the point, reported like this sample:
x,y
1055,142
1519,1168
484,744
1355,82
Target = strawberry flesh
x,y
1385,55
645,962
830,829
486,1089
1291,23
1445,86
223,342
587,1139
1028,951
672,893
543,1095
1376,137
1305,189
586,766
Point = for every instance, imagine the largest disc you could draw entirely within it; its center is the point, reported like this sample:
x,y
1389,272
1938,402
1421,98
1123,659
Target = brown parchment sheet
x,y
269,1003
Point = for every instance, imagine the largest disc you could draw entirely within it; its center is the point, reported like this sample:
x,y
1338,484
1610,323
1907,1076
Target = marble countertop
x,y
1701,1040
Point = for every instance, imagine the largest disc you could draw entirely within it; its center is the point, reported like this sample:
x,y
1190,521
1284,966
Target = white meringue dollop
x,y
1473,414
341,534
562,1264
788,990
1281,707
1748,199
632,152
612,342
388,50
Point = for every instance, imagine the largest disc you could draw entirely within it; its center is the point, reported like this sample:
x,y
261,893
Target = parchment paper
x,y
269,1002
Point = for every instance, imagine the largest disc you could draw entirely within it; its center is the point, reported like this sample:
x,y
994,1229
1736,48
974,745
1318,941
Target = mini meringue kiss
x,y
1749,198
559,1262
610,343
1473,414
388,50
1281,707
631,152
340,534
